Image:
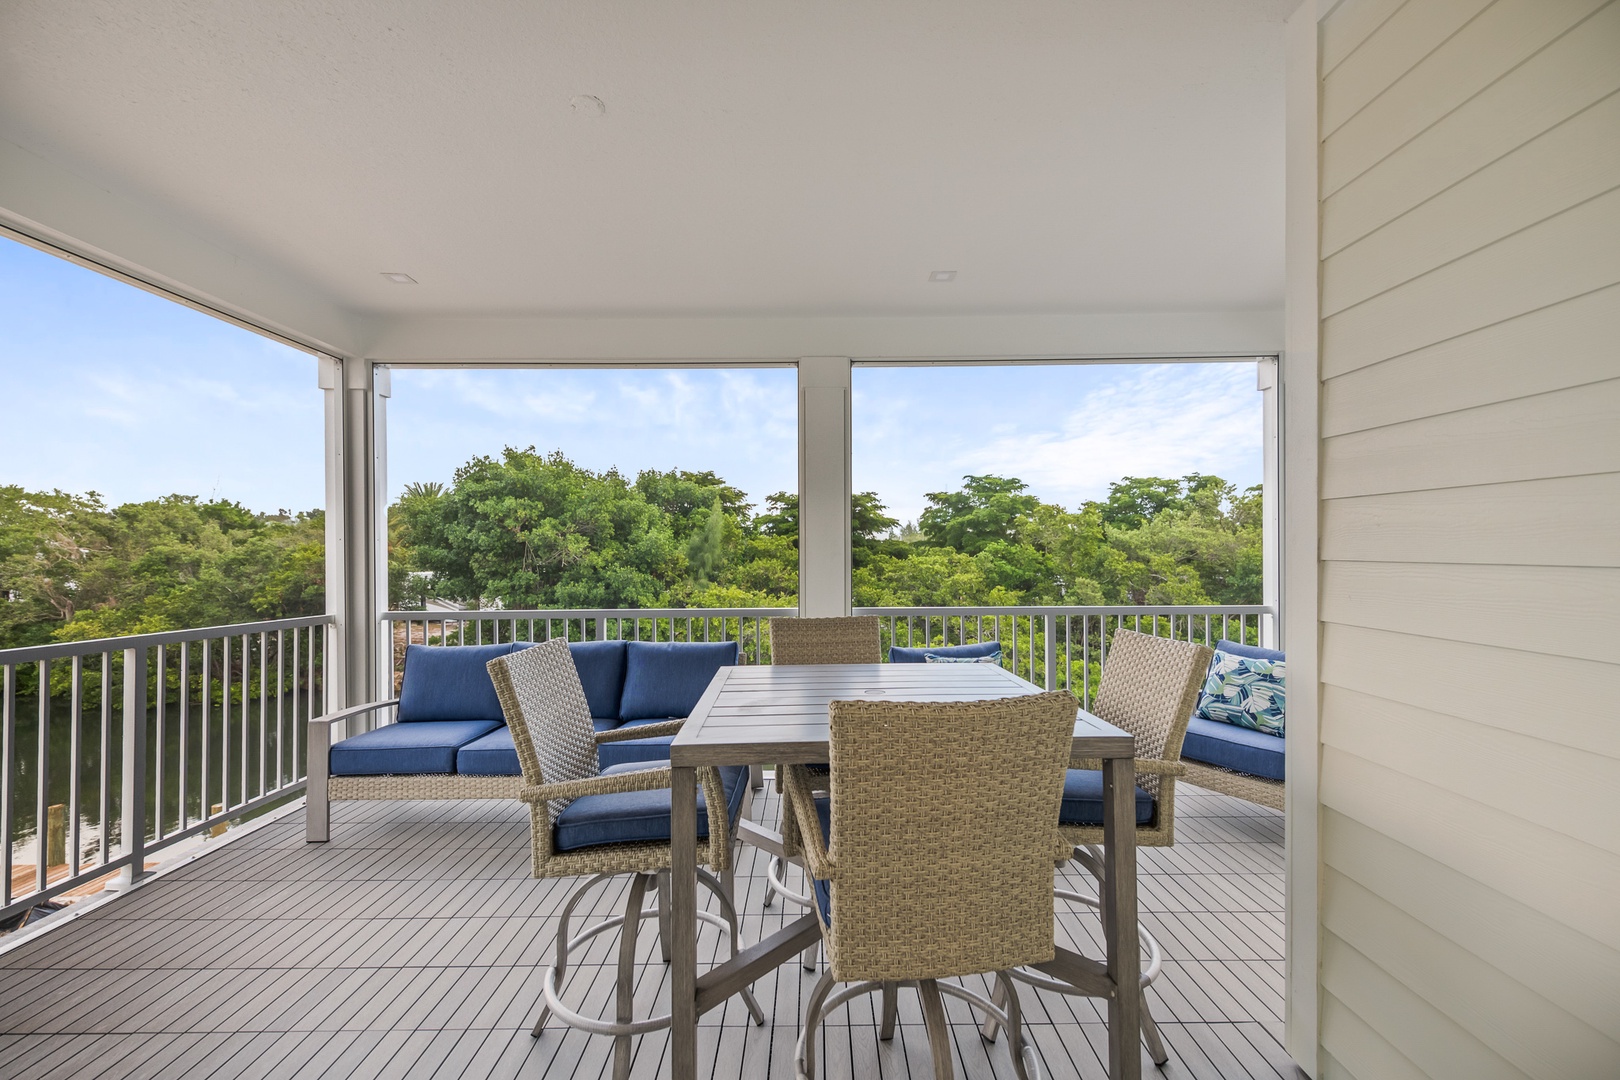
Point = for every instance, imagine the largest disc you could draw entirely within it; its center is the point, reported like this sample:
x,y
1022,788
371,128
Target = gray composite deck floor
x,y
410,946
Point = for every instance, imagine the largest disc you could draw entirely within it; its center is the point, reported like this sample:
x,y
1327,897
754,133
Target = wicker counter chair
x,y
544,703
848,639
938,868
1149,688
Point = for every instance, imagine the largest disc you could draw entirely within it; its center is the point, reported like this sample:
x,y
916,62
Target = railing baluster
x,y
264,710
8,775
225,722
182,805
134,786
42,787
75,755
104,791
160,691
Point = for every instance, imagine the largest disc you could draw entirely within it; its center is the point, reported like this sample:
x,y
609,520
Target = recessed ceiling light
x,y
400,279
942,275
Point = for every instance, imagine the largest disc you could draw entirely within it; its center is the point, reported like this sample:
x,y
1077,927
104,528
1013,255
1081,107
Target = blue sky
x,y
112,389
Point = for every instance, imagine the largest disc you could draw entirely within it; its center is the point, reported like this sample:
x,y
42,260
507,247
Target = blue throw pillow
x,y
1246,691
451,682
935,658
919,655
667,678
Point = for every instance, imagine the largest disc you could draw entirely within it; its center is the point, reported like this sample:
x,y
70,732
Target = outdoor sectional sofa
x,y
445,736
1235,760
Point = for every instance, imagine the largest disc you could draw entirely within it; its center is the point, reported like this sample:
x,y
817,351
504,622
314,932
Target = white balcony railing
x,y
115,749
1061,648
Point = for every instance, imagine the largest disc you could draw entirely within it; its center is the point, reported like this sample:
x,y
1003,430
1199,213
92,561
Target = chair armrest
x,y
798,788
639,780
1157,766
640,731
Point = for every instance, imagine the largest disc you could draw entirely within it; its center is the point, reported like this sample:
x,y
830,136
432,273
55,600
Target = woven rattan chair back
x,y
848,640
943,834
545,708
1149,688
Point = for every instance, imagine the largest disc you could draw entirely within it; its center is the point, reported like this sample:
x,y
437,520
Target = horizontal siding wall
x,y
1470,539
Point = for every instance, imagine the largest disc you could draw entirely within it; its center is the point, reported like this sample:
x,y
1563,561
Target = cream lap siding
x,y
1470,539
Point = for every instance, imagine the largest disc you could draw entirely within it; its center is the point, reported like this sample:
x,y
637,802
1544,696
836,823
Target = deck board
x,y
409,947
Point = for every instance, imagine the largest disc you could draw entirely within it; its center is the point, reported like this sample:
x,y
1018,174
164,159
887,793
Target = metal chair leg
x,y
623,1045
891,1010
805,1066
728,911
1006,995
939,1032
561,962
1150,1035
663,914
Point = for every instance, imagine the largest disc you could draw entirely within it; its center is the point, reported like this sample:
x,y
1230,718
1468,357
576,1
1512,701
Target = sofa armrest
x,y
640,731
318,764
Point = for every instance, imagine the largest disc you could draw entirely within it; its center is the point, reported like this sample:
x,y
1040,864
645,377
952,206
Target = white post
x,y
133,824
356,526
1271,496
824,486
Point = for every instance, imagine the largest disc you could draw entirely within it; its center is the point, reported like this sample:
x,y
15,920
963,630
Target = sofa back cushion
x,y
1253,652
901,655
451,682
667,678
601,672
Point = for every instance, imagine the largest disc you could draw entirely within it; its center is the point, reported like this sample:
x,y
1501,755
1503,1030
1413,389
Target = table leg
x,y
683,923
1119,919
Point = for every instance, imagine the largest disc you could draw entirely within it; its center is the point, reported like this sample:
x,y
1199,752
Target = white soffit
x,y
703,159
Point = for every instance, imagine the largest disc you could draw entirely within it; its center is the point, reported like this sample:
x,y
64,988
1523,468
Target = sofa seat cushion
x,y
601,673
666,678
489,755
422,746
976,651
1231,747
1083,800
637,816
451,682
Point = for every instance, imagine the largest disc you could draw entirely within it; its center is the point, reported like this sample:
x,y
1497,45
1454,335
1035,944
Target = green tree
x,y
987,509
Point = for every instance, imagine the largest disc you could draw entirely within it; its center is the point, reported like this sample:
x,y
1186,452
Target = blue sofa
x,y
1237,760
448,739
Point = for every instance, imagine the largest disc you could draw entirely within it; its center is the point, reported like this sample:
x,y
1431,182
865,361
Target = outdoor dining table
x,y
777,715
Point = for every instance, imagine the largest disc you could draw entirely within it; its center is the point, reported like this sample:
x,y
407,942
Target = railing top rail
x,y
95,646
537,614
1073,609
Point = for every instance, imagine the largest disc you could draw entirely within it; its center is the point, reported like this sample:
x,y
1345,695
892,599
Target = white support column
x,y
1271,497
824,486
356,527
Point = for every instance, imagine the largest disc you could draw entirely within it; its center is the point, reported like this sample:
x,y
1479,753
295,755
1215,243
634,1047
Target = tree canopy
x,y
534,530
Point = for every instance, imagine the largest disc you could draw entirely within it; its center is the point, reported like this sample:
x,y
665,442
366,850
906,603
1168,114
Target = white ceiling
x,y
754,157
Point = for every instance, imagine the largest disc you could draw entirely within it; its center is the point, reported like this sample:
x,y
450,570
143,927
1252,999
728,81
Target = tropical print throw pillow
x,y
1244,691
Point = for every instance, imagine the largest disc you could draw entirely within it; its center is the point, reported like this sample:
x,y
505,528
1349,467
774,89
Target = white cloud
x,y
1158,420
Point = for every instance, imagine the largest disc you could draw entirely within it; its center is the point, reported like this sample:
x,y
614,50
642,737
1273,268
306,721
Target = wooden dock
x,y
410,946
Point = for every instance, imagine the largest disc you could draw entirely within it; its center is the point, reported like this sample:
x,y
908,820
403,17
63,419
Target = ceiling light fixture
x,y
400,279
942,275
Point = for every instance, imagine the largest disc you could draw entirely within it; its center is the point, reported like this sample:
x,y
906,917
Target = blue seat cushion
x,y
901,655
423,746
601,672
637,816
1240,749
451,682
1083,800
665,679
489,755
1253,652
823,889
